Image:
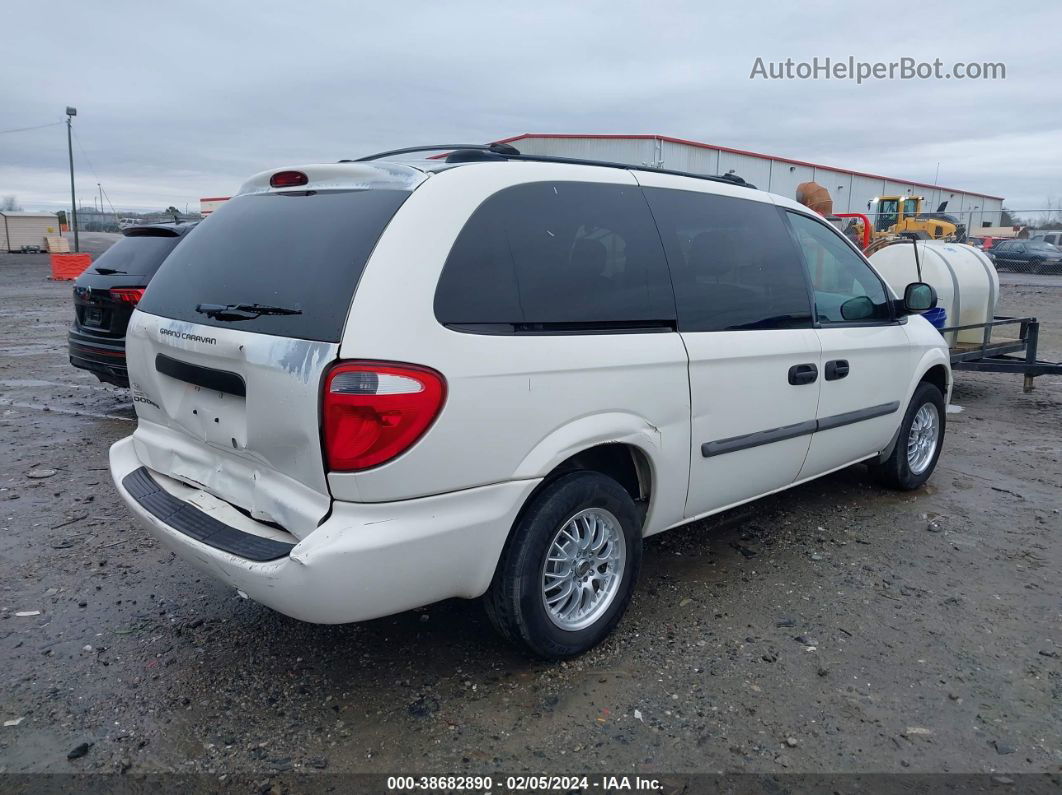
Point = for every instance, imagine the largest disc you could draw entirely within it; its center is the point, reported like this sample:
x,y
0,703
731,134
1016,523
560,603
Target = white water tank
x,y
964,277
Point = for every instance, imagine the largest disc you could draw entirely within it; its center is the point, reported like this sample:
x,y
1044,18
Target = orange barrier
x,y
66,267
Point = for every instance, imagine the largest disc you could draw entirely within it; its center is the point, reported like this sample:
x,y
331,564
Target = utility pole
x,y
101,197
70,113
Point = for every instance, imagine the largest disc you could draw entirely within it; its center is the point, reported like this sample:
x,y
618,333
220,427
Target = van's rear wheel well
x,y
624,463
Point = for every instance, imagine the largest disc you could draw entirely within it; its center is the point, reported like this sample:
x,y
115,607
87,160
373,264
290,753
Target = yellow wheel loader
x,y
902,216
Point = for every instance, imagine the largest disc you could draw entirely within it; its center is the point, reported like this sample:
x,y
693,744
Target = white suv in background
x,y
368,386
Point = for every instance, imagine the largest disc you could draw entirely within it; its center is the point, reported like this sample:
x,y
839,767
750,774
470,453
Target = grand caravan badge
x,y
184,335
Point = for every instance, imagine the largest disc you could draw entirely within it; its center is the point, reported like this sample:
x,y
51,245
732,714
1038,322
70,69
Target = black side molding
x,y
745,441
839,420
206,377
748,440
191,521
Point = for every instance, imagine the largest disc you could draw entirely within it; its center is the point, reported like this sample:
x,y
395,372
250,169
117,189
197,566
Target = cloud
x,y
180,103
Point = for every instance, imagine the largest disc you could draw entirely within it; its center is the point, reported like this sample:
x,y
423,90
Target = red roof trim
x,y
215,198
701,145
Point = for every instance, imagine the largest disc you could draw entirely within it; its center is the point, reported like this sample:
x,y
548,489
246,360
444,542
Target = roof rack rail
x,y
498,149
729,179
463,153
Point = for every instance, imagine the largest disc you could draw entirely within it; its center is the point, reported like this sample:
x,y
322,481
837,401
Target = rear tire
x,y
591,517
919,442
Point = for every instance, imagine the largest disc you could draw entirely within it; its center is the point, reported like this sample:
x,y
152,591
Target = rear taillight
x,y
128,295
374,411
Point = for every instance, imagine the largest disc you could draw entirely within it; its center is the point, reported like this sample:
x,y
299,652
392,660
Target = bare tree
x,y
10,204
1053,216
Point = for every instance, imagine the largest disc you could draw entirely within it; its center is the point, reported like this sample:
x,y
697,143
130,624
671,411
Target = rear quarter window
x,y
556,256
301,250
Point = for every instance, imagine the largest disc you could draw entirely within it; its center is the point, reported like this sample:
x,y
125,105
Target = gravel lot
x,y
837,627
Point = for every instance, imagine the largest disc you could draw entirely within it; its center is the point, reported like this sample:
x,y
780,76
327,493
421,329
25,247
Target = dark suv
x,y
106,294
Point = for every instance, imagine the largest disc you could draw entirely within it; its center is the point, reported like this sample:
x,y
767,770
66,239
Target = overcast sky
x,y
178,104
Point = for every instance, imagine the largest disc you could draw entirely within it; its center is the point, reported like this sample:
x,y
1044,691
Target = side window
x,y
732,261
554,255
846,289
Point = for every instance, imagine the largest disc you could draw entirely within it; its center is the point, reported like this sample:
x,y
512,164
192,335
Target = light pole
x,y
70,113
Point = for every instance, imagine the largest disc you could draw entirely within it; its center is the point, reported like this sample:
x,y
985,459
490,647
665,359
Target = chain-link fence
x,y
89,220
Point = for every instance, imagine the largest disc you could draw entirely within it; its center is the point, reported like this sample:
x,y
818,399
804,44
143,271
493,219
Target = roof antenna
x,y
918,262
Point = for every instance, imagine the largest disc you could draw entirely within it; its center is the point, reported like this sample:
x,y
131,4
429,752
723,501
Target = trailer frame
x,y
999,356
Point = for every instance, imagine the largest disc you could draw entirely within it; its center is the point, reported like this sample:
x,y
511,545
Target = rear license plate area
x,y
93,316
215,417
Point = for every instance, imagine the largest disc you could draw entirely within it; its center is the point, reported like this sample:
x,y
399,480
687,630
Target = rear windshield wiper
x,y
108,271
243,311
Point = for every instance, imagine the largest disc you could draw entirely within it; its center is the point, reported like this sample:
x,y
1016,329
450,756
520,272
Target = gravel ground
x,y
836,627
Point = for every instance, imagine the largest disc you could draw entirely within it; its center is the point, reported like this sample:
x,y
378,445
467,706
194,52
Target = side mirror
x,y
859,308
919,297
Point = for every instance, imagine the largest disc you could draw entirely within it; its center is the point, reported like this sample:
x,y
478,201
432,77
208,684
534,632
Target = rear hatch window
x,y
285,264
138,255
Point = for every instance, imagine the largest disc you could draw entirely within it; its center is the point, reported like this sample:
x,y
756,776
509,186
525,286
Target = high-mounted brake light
x,y
375,411
288,179
128,295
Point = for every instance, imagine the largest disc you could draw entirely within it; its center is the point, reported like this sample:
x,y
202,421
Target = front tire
x,y
569,568
919,443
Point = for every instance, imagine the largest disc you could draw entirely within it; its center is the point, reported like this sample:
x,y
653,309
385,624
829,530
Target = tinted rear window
x,y
554,255
139,255
733,262
303,251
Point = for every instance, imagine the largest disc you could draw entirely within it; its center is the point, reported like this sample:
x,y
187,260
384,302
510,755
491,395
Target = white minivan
x,y
367,386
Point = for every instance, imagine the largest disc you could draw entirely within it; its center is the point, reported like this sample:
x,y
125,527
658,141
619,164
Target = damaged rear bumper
x,y
364,561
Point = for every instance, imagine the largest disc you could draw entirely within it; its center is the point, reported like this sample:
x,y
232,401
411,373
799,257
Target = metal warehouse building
x,y
851,190
19,229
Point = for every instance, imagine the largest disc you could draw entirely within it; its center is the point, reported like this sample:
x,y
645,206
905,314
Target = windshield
x,y
301,251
